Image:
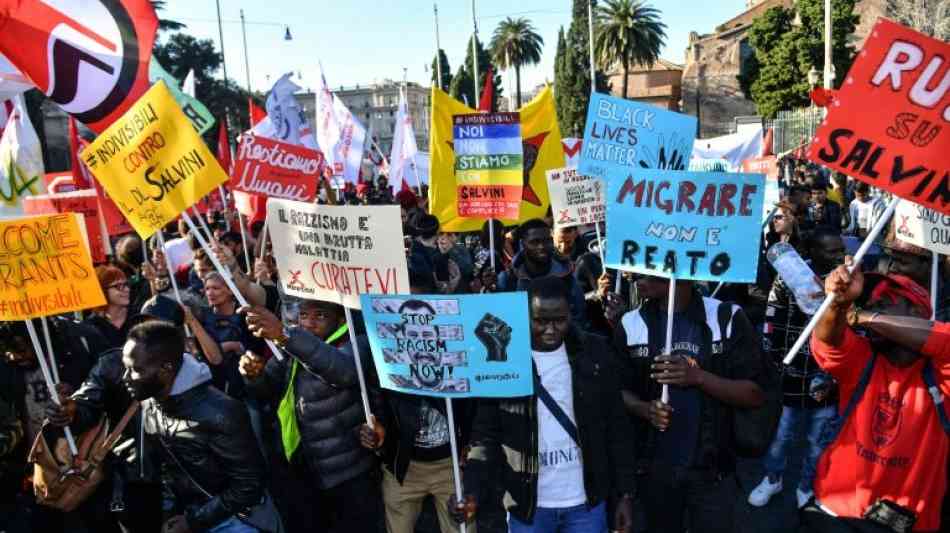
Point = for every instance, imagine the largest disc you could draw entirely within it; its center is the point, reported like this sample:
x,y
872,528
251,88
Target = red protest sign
x,y
83,202
276,169
889,125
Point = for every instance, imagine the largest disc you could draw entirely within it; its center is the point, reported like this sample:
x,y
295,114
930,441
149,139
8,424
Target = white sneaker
x,y
764,492
803,497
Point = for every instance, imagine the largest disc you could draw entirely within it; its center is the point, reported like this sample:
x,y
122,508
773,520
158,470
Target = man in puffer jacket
x,y
320,409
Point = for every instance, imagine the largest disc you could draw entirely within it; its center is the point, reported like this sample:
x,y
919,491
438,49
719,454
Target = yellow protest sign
x,y
152,163
45,267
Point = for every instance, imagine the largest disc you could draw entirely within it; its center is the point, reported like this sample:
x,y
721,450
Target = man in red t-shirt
x,y
889,458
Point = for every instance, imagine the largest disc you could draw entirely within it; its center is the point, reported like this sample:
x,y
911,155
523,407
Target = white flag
x,y
402,157
21,161
285,120
188,86
349,149
328,126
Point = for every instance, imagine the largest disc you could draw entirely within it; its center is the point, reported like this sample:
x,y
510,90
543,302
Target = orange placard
x,y
45,268
84,202
889,125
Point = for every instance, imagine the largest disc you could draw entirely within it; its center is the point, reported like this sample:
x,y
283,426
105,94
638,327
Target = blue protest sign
x,y
691,225
622,133
451,346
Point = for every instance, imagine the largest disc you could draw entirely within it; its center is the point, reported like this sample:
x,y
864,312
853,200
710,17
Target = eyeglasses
x,y
121,286
778,217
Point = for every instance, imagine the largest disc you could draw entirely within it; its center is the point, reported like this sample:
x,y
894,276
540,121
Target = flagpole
x,y
475,54
247,65
590,37
224,64
438,48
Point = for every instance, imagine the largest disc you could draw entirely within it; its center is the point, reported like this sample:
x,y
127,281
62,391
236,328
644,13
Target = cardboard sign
x,y
920,226
454,346
276,169
335,253
575,199
625,134
889,125
691,225
84,202
45,268
152,163
489,166
768,166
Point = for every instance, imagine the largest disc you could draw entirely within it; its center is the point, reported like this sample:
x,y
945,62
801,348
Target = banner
x,y
768,166
575,199
734,148
622,133
334,253
488,164
692,225
197,113
327,124
922,227
116,223
285,119
84,202
889,125
404,150
352,139
45,268
88,56
455,346
21,161
276,169
152,163
541,149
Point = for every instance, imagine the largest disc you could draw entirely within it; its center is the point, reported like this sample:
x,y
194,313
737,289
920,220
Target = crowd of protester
x,y
229,438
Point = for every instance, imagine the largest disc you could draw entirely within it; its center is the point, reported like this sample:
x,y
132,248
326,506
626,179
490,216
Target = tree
x,y
515,43
559,68
446,70
572,88
777,79
630,32
462,87
165,24
926,16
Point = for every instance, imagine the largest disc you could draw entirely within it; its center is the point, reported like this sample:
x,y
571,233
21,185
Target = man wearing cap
x,y
885,469
317,393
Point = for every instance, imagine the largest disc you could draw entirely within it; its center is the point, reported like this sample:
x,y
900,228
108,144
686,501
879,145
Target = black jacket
x,y
210,435
517,278
328,405
506,432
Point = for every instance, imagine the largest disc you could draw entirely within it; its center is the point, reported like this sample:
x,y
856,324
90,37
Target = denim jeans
x,y
790,427
233,525
577,519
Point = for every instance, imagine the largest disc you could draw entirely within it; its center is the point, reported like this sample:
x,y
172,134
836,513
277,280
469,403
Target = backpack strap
x,y
856,396
936,395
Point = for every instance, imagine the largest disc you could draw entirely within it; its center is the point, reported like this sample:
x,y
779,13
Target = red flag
x,y
79,177
90,57
255,112
488,92
224,147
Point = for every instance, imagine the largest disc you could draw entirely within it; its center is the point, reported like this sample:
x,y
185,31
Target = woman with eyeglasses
x,y
114,320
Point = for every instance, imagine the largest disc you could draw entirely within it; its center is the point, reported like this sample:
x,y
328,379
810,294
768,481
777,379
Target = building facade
x,y
659,84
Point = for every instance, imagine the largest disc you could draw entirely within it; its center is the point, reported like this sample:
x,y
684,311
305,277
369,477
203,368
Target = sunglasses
x,y
778,217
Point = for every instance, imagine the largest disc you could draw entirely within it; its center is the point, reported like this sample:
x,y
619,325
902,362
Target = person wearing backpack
x,y
715,372
885,469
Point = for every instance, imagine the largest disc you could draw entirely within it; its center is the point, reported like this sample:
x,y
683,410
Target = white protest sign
x,y
922,226
575,199
337,253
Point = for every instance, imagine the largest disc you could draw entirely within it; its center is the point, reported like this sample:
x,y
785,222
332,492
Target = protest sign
x,y
688,225
626,134
489,168
152,163
901,146
197,113
276,169
921,226
335,253
84,202
454,346
45,268
767,166
575,199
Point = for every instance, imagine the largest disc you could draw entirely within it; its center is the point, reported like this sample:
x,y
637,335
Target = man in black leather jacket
x,y
213,472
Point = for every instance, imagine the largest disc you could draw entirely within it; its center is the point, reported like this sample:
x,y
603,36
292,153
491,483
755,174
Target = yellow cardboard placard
x,y
45,267
152,163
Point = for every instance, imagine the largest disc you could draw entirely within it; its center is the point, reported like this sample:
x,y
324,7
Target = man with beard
x,y
212,467
885,469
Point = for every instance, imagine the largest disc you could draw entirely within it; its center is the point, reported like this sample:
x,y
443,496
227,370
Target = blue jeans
x,y
233,525
577,519
794,419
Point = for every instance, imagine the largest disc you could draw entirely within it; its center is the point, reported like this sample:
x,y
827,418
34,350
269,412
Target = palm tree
x,y
627,31
515,43
165,24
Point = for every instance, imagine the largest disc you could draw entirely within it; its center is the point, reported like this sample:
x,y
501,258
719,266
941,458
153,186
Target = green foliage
x,y
776,77
166,24
629,33
462,83
516,43
446,71
572,78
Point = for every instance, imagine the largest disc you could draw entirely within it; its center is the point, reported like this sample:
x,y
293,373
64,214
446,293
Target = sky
x,y
362,42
